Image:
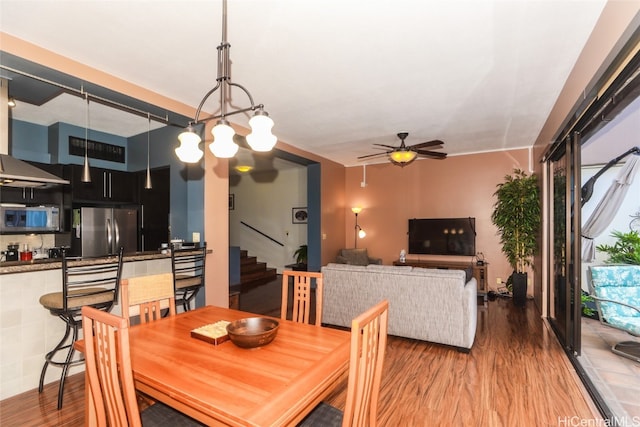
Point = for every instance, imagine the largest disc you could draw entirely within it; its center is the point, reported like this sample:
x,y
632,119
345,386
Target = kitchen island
x,y
28,331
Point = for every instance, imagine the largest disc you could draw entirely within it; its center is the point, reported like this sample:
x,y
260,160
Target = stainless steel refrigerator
x,y
102,231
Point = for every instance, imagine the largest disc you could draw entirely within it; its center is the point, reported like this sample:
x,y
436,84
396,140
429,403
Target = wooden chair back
x,y
148,296
368,343
302,286
108,365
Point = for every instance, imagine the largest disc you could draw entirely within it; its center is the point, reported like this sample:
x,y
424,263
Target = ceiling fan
x,y
405,154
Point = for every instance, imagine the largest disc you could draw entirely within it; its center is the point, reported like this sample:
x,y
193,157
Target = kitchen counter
x,y
12,267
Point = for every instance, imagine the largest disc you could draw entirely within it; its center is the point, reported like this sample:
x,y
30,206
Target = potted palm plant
x,y
516,213
301,258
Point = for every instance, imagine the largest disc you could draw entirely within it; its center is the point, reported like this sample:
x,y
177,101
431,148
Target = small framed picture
x,y
299,215
232,202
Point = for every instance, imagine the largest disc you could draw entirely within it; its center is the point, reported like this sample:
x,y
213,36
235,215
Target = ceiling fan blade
x,y
431,154
427,144
373,155
386,146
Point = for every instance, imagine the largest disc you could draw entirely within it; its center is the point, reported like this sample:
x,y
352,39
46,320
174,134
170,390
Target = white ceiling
x,y
338,75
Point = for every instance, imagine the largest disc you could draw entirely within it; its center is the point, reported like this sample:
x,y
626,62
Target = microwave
x,y
33,219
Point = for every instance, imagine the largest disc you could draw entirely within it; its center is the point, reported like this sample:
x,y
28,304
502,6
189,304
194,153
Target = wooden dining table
x,y
223,384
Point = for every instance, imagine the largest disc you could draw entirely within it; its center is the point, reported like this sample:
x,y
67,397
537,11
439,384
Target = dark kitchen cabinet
x,y
106,186
51,196
155,208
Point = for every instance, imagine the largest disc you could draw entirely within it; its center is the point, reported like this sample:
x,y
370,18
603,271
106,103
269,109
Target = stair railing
x,y
261,233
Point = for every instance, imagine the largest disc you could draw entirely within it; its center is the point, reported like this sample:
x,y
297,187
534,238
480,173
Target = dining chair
x,y
302,286
108,366
90,281
188,267
368,343
147,297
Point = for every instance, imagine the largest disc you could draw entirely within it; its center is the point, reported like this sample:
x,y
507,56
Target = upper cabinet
x,y
108,186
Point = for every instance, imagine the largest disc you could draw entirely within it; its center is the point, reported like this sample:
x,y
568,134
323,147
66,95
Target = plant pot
x,y
519,283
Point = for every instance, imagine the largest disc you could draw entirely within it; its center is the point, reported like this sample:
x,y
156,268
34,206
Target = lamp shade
x,y
261,138
361,234
402,156
223,145
188,151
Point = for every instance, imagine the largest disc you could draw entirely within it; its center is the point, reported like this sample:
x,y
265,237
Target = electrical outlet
x,y
499,281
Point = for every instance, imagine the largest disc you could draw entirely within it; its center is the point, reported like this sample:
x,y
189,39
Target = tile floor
x,y
616,378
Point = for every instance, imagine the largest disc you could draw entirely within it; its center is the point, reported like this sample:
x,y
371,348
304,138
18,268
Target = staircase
x,y
254,273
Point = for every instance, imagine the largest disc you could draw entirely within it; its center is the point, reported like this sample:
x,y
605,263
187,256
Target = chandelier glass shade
x,y
261,139
188,151
223,146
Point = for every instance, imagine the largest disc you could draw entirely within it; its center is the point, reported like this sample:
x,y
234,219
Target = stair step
x,y
248,260
266,274
250,268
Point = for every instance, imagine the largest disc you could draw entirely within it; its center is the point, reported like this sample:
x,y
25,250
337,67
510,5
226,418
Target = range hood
x,y
15,172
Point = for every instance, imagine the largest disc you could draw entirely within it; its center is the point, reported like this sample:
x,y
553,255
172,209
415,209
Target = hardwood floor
x,y
515,374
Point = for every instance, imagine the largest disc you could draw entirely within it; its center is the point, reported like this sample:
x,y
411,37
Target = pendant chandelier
x,y
223,146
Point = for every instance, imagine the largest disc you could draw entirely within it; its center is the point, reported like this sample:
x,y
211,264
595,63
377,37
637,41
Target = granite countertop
x,y
11,267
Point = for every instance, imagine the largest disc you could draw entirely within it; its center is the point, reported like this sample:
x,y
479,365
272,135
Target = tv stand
x,y
480,272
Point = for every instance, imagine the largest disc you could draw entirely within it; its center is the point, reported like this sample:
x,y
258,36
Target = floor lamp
x,y
359,232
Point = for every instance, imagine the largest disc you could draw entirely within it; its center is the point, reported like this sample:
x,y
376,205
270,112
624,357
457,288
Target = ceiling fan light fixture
x,y
403,156
223,145
244,168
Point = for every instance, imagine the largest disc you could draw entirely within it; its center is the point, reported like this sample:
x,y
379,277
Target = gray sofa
x,y
425,304
356,257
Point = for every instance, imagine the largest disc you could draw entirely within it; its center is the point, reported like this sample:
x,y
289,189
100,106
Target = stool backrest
x,y
188,267
91,281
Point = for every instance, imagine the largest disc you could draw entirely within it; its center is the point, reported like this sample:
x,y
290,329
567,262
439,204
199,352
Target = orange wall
x,y
459,186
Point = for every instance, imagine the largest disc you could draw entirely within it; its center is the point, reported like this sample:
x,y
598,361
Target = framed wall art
x,y
299,215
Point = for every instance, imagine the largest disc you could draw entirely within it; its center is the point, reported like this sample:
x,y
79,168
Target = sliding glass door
x,y
563,201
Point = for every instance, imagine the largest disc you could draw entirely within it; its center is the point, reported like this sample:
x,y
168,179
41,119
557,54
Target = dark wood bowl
x,y
253,331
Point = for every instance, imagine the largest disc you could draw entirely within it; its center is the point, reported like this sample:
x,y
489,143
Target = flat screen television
x,y
442,236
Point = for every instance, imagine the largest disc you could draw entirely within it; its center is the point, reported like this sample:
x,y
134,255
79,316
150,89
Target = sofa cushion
x,y
355,256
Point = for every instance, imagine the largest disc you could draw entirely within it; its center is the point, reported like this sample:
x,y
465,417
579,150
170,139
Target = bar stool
x,y
187,266
87,282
